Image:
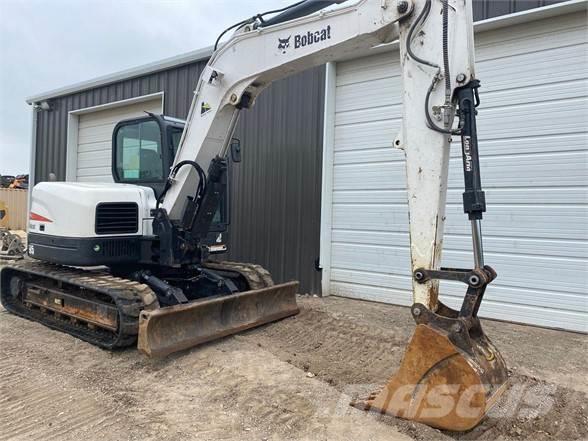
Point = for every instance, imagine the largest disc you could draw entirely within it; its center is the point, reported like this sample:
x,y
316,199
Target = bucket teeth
x,y
449,378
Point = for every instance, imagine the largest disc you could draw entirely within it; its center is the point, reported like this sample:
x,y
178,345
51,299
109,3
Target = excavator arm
x,y
260,52
449,359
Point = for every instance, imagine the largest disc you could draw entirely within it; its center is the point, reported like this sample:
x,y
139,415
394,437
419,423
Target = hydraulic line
x,y
253,20
419,21
423,16
201,189
446,72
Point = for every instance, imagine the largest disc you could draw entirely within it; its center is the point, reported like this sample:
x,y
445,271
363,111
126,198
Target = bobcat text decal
x,y
307,39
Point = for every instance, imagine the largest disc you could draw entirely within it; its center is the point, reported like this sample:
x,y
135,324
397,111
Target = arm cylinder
x,y
474,199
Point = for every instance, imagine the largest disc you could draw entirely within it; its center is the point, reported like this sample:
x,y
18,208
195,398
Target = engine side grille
x,y
117,218
120,247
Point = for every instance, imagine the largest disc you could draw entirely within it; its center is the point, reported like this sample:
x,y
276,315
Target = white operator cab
x,y
76,223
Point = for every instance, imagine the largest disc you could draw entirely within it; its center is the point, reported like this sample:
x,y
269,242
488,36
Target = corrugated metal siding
x,y
534,152
494,8
177,84
275,190
15,203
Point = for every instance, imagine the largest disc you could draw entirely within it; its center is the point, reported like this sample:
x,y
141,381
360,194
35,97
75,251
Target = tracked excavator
x,y
158,226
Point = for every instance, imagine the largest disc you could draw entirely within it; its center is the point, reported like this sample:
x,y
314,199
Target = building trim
x,y
32,160
178,60
496,23
327,177
73,120
531,15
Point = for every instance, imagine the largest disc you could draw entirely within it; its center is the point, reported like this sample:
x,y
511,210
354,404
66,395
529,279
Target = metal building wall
x,y
275,190
177,84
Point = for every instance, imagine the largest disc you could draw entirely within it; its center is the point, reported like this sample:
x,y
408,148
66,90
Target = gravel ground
x,y
289,380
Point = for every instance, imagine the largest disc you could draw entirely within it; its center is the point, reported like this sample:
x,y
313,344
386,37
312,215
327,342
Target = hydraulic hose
x,y
201,184
446,52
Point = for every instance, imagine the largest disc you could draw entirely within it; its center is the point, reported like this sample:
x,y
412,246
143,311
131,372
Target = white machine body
x,y
68,209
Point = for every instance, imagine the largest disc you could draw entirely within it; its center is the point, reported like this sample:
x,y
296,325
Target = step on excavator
x,y
157,227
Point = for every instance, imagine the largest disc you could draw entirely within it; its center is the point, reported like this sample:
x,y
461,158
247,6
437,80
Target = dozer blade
x,y
449,378
175,328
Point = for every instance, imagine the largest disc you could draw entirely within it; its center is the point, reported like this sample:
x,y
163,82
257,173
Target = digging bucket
x,y
450,376
175,328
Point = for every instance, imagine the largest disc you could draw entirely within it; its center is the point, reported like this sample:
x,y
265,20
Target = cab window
x,y
138,152
176,136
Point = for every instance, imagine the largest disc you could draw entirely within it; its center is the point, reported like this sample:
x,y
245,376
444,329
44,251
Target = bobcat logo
x,y
284,43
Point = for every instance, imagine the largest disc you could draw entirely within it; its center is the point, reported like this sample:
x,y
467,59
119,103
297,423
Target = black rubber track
x,y
126,295
130,297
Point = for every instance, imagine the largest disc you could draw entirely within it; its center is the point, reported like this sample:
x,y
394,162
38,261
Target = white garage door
x,y
94,140
533,139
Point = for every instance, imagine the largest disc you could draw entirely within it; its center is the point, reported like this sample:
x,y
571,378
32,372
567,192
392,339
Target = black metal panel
x,y
275,190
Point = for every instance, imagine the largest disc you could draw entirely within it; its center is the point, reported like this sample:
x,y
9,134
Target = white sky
x,y
46,44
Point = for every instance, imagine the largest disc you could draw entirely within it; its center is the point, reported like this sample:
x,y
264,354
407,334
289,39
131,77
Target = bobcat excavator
x,y
156,231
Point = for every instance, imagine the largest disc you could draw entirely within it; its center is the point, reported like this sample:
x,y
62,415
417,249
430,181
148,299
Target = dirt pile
x,y
356,346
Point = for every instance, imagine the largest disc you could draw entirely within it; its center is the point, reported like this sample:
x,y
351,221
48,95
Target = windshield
x,y
138,152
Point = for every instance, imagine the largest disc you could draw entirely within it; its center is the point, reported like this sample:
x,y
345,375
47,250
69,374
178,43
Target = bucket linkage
x,y
451,373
